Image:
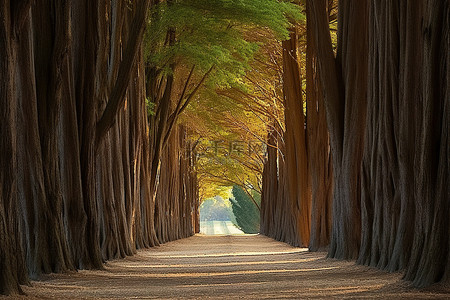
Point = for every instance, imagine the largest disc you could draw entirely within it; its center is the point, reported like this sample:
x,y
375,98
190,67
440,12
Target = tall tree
x,y
295,139
402,174
58,76
319,154
176,214
345,80
11,257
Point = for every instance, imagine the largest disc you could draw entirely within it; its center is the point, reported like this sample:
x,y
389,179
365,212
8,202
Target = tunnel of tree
x,y
326,120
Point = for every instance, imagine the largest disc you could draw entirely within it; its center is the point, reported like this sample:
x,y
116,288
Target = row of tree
x,y
78,173
385,95
94,163
297,178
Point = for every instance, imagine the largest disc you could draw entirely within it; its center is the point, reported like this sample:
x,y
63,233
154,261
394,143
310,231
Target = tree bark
x,y
319,155
429,262
50,64
295,140
403,174
73,197
279,220
344,82
10,255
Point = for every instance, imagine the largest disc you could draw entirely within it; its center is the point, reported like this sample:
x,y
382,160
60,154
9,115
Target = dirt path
x,y
228,267
218,227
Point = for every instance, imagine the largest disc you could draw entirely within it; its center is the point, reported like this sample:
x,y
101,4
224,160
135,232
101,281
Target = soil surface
x,y
228,267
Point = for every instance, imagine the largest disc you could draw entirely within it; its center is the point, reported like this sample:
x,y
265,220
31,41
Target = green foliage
x,y
245,210
211,32
230,149
229,35
150,107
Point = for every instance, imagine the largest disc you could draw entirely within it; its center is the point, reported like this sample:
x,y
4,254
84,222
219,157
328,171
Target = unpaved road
x,y
218,227
228,267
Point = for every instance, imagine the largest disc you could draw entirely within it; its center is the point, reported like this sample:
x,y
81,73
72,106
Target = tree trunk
x,y
269,187
279,220
10,255
175,195
403,174
344,80
319,155
430,257
51,64
295,140
75,191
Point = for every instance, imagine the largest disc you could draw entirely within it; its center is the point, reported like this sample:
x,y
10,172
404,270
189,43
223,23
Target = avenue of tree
x,y
334,113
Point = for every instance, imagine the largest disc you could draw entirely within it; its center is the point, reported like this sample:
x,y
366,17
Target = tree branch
x,y
176,113
117,97
180,100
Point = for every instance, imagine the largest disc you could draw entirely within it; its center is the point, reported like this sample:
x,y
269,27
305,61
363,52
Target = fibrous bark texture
x,y
279,220
387,102
75,151
295,140
177,195
319,154
297,177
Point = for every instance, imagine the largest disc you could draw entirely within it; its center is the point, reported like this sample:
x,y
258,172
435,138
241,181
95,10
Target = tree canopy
x,y
213,33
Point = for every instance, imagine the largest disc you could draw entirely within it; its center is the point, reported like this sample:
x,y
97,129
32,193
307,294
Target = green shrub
x,y
245,210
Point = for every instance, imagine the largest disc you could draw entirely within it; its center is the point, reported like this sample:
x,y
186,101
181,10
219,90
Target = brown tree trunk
x,y
430,257
51,64
279,220
404,170
175,194
10,256
345,81
61,63
295,140
385,238
319,155
269,187
14,16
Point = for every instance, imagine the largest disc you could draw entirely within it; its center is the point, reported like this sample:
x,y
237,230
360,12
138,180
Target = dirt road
x,y
218,227
228,267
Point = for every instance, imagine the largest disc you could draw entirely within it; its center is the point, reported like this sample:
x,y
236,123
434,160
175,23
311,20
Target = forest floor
x,y
228,267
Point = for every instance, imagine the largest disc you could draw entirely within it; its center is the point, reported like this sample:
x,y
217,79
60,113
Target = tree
x,y
390,176
278,218
12,266
246,212
189,42
295,140
345,103
178,191
58,172
319,154
304,158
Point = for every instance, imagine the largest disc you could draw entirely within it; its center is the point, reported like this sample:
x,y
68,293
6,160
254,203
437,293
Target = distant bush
x,y
246,213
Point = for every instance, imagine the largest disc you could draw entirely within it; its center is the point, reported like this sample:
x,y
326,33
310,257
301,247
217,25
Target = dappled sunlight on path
x,y
227,267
